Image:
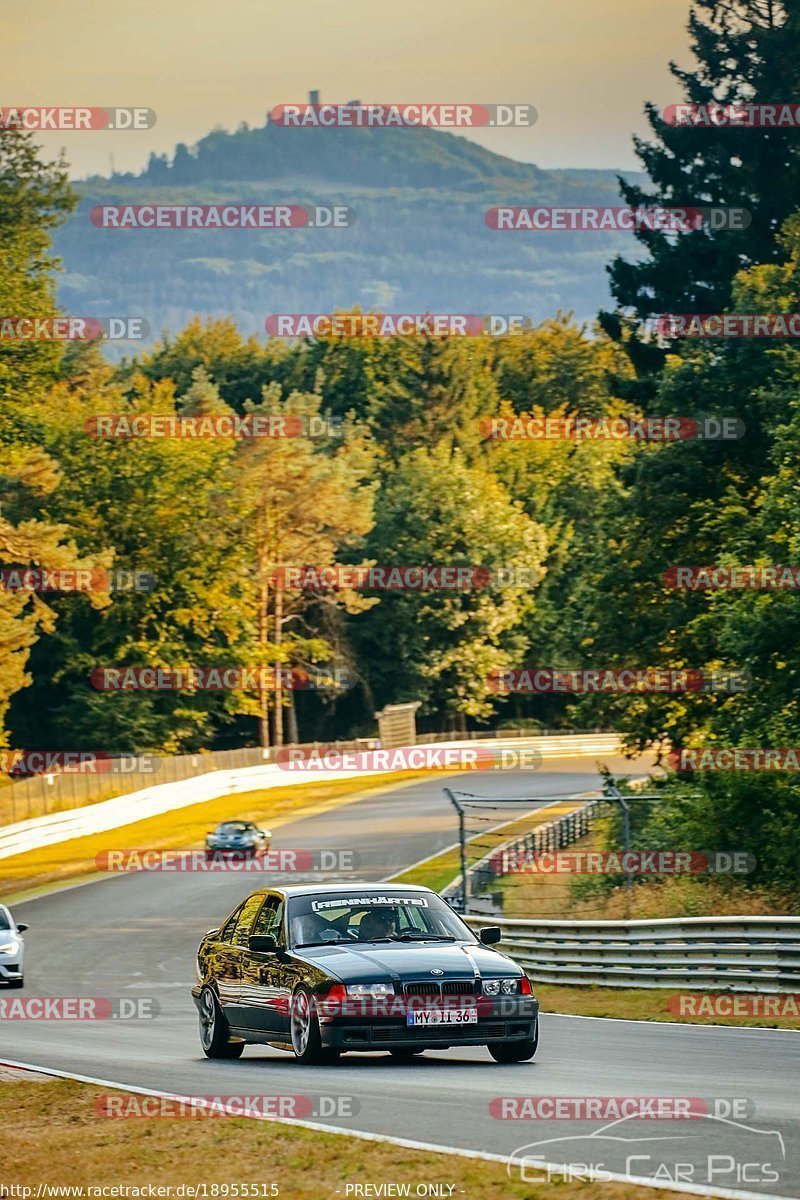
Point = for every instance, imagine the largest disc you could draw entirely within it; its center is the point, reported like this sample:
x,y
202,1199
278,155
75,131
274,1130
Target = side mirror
x,y
262,942
21,927
490,935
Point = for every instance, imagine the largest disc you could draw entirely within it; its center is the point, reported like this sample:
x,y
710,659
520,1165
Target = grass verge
x,y
185,828
647,1004
53,1135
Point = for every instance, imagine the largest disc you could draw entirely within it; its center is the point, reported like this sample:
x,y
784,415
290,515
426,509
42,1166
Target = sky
x,y
586,65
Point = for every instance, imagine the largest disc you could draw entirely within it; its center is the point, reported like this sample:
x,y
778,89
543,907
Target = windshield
x,y
373,919
234,827
4,921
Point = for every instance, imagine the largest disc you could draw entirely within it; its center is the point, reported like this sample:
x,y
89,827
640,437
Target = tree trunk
x,y
294,736
279,666
263,642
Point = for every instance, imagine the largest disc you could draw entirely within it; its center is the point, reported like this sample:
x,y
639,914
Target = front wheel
x,y
15,983
305,1031
513,1052
214,1030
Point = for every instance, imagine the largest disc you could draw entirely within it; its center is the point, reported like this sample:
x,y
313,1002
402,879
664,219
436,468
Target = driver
x,y
377,923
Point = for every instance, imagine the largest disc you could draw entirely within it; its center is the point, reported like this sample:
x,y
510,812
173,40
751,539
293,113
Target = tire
x,y
406,1055
214,1030
15,983
305,1032
514,1052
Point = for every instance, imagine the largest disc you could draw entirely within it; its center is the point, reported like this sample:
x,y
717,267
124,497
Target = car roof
x,y
357,889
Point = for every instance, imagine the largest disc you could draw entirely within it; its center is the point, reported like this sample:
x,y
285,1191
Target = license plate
x,y
446,1016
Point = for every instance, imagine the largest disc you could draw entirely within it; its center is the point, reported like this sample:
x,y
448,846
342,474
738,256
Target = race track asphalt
x,y
135,935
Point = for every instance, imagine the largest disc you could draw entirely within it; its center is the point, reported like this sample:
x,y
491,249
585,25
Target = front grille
x,y
458,987
446,987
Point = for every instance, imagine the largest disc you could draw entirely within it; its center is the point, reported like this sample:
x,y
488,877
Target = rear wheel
x,y
305,1031
214,1029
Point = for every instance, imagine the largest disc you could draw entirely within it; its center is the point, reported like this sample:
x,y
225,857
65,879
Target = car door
x,y
219,963
264,989
231,960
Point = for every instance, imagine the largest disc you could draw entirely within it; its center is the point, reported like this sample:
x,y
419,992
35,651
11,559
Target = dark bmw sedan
x,y
319,970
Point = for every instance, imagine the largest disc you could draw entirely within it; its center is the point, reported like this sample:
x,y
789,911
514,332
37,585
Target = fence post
x,y
616,797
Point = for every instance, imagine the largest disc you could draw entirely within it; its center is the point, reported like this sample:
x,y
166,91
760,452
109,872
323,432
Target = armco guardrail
x,y
740,954
514,855
58,791
161,798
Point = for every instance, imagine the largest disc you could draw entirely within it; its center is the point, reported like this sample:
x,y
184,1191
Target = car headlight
x,y
9,947
376,991
496,987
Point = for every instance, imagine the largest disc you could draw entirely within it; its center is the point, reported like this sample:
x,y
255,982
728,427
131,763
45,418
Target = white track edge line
x,y
408,1143
669,1024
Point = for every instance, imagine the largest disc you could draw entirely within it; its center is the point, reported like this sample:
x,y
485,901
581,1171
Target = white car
x,y
12,949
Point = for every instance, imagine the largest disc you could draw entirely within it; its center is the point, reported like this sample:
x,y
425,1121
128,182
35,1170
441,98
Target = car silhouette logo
x,y
436,971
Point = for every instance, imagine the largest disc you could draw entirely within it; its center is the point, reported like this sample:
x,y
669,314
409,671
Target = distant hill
x,y
420,242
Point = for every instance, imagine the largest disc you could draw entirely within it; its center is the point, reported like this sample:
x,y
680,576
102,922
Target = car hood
x,y
384,961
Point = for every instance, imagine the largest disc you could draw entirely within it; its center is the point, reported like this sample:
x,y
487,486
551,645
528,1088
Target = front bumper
x,y
241,851
500,1022
11,967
